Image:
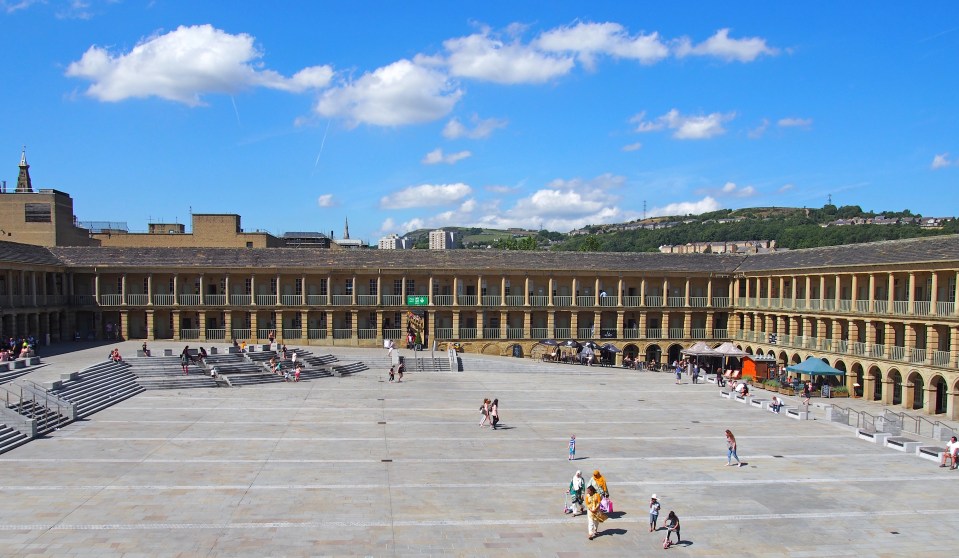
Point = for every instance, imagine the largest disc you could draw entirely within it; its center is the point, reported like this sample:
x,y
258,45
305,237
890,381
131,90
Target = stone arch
x,y
894,379
674,352
748,350
858,377
783,357
939,401
759,352
654,353
739,346
796,359
491,349
875,378
915,385
631,349
538,350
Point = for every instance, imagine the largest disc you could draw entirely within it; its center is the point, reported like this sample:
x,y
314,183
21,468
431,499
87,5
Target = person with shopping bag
x,y
598,482
594,515
577,489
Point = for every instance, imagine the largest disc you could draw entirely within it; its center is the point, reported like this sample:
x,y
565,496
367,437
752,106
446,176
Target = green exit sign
x,y
417,300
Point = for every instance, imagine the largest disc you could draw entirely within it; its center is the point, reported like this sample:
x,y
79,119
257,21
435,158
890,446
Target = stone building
x,y
883,312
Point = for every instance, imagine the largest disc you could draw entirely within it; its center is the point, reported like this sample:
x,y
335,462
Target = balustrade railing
x,y
698,301
264,332
444,333
720,334
720,301
801,304
291,333
491,300
189,333
111,299
137,299
563,300
316,333
829,304
676,301
654,333
941,358
561,333
491,332
631,333
608,300
858,348
265,300
880,306
514,333
443,300
215,334
241,333
585,333
467,333
862,306
316,300
366,333
214,299
900,306
654,300
343,334
189,299
945,308
698,333
341,300
897,353
588,300
539,300
815,304
632,301
235,299
921,308
367,299
539,332
515,300
466,300
395,300
877,351
917,356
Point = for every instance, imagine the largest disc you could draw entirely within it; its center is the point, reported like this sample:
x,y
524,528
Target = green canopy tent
x,y
812,367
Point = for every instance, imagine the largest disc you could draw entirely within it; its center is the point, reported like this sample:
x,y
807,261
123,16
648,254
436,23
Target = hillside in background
x,y
790,227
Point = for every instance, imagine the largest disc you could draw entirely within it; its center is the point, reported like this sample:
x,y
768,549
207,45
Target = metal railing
x,y
945,308
466,300
265,300
491,332
292,333
698,333
316,300
539,300
241,333
676,301
215,334
392,333
654,300
632,301
862,306
189,299
921,308
539,333
235,299
608,300
137,299
587,300
900,306
631,333
214,299
291,299
190,333
467,333
316,333
394,300
941,358
563,300
342,334
444,333
720,301
341,300
897,353
492,300
514,333
917,356
515,300
560,333
698,301
654,333
443,300
111,299
880,306
367,299
720,333
366,333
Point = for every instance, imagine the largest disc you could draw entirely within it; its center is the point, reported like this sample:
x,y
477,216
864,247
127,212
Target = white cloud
x,y
794,122
942,160
685,127
11,7
185,64
388,225
785,188
704,205
721,46
325,200
633,147
426,195
758,131
482,128
480,56
437,156
414,224
587,40
729,189
500,189
394,95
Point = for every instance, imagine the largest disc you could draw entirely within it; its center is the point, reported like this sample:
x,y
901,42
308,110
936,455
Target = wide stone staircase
x,y
97,387
165,372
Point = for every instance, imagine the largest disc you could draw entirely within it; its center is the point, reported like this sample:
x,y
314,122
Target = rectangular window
x,y
397,286
248,285
119,285
273,285
373,287
223,285
349,286
37,213
146,285
172,285
410,286
196,286
299,286
323,287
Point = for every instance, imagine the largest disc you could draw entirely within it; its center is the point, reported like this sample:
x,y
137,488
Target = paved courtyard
x,y
358,466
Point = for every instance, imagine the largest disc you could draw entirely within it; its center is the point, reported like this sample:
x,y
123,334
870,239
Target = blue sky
x,y
402,115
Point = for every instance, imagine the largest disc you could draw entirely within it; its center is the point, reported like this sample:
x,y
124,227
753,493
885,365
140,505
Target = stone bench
x,y
726,394
5,366
761,403
167,352
932,453
796,413
19,363
874,437
901,443
743,399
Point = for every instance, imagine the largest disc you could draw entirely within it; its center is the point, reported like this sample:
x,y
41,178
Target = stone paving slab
x,y
360,467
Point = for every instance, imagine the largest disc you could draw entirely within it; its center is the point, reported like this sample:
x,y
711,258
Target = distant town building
x,y
306,239
443,240
733,247
394,242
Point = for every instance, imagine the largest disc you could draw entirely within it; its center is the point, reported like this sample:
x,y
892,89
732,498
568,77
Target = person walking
x,y
653,512
494,413
731,447
598,482
672,526
392,373
484,410
594,515
577,490
185,359
399,372
572,447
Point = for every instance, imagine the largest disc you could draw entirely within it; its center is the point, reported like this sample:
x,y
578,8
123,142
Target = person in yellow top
x,y
594,515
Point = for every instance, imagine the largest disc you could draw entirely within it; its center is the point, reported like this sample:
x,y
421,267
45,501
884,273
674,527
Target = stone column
x,y
838,292
574,324
574,292
596,292
620,323
526,301
254,326
151,328
429,294
502,293
954,344
551,323
891,294
868,386
201,318
480,324
355,290
822,292
620,292
96,288
686,294
527,325
642,292
227,325
176,325
934,294
808,290
176,293
748,291
872,293
709,295
911,294
549,293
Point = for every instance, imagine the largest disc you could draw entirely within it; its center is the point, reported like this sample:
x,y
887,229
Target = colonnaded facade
x,y
883,312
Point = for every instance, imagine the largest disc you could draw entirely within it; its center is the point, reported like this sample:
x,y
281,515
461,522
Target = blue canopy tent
x,y
813,366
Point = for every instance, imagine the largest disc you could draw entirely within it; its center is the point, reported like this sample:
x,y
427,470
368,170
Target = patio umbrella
x,y
571,343
611,348
549,342
592,345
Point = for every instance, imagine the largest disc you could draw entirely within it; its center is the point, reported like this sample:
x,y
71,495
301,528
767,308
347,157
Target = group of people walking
x,y
490,411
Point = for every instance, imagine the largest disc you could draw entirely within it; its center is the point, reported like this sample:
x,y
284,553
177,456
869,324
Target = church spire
x,y
346,228
24,186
